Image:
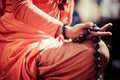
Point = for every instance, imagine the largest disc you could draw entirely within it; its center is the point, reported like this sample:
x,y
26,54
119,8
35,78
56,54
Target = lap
x,y
60,50
66,55
58,60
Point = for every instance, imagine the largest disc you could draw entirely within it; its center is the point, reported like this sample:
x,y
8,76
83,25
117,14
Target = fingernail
x,y
110,33
110,24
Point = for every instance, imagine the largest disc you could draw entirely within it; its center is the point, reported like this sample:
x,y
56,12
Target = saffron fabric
x,y
29,48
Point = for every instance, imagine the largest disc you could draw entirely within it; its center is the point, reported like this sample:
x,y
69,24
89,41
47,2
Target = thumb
x,y
87,25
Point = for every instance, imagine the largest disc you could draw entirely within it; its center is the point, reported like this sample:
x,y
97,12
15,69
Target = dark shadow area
x,y
112,71
110,13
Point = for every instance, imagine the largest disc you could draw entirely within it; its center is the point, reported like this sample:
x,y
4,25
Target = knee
x,y
104,51
104,55
102,48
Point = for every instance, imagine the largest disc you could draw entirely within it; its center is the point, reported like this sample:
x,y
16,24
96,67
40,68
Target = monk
x,y
36,45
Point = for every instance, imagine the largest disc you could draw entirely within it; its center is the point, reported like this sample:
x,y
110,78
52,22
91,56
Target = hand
x,y
77,30
102,31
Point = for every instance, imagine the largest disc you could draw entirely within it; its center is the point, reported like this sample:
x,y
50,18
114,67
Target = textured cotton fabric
x,y
30,50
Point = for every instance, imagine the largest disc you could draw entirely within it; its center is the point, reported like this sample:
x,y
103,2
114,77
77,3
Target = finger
x,y
101,33
106,27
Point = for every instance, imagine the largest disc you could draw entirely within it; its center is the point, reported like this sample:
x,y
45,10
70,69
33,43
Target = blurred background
x,y
101,12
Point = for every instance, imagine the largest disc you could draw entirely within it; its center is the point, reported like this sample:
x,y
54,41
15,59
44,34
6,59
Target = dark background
x,y
112,71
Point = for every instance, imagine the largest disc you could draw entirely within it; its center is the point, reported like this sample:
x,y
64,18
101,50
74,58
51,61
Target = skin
x,y
75,31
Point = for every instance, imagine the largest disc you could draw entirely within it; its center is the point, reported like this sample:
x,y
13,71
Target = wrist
x,y
64,31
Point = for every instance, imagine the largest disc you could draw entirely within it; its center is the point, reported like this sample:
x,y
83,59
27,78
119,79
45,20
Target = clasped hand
x,y
78,29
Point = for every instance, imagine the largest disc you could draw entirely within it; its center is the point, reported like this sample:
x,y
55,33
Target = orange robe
x,y
29,49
